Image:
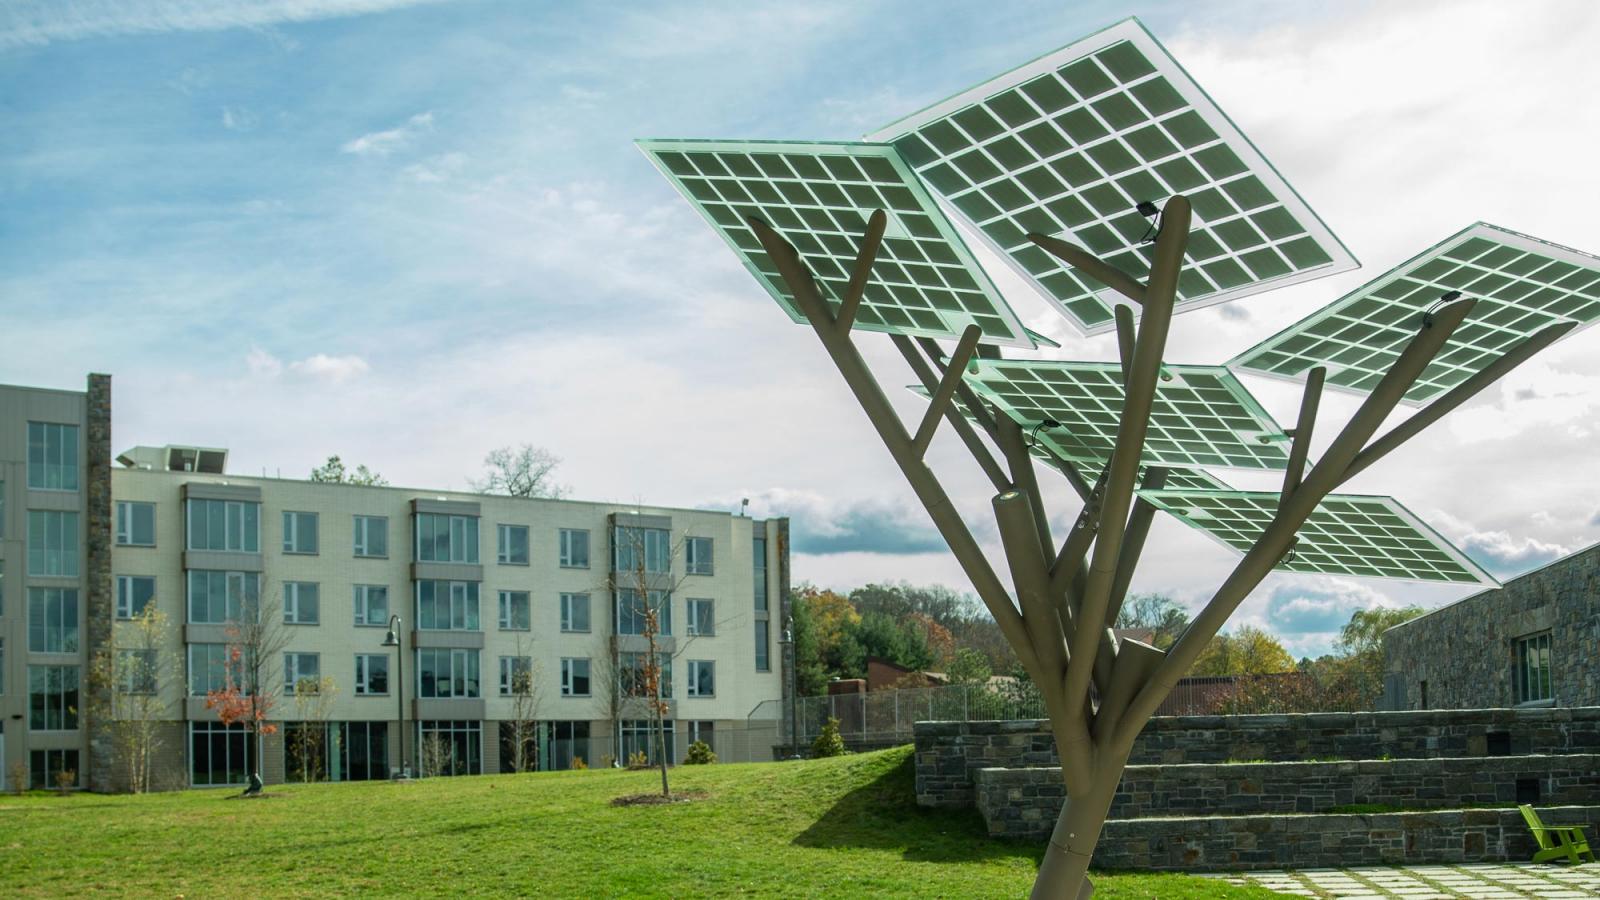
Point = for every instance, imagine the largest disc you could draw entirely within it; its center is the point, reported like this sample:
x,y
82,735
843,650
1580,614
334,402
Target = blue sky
x,y
409,233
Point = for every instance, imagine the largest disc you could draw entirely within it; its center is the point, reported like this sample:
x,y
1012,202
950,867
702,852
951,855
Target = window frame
x,y
470,674
125,611
503,556
293,601
49,622
127,523
508,670
460,532
53,466
361,605
361,533
125,685
470,606
294,528
569,676
1541,669
692,564
68,712
694,667
691,624
567,607
508,622
243,516
298,656
364,675
566,555
55,552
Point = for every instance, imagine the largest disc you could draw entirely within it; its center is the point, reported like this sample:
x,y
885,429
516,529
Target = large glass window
x,y
218,598
134,593
638,736
1531,677
516,675
53,698
702,678
298,667
514,611
302,603
48,768
371,603
650,546
224,525
336,751
447,605
299,532
513,545
575,613
364,750
447,674
52,543
372,674
52,457
574,548
702,617
208,668
52,620
450,747
372,536
635,675
564,742
136,524
575,677
447,539
763,646
759,564
697,555
217,754
631,611
136,671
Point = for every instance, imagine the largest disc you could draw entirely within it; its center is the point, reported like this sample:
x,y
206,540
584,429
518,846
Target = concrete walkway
x,y
1475,880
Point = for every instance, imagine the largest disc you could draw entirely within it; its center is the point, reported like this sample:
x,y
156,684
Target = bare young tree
x,y
609,681
139,673
313,706
256,638
521,471
523,726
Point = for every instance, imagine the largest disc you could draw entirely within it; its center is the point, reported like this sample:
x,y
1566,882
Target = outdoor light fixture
x,y
392,639
787,640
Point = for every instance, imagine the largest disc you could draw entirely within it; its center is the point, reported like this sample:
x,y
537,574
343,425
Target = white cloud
x,y
239,118
1503,554
260,362
437,169
25,22
383,143
317,367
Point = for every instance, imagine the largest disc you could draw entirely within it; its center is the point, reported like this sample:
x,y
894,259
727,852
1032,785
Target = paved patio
x,y
1475,880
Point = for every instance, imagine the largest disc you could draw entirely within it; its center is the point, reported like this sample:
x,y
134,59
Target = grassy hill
x,y
845,827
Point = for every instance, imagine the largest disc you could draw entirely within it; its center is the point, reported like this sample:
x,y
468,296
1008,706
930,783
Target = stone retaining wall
x,y
1021,802
948,754
1275,842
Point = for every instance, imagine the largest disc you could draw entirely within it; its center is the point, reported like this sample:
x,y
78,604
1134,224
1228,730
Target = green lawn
x,y
845,827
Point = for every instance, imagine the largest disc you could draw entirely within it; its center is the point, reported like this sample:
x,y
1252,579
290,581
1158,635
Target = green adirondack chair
x,y
1557,841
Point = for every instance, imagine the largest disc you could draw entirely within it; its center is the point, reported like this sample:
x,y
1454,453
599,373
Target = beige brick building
x,y
488,597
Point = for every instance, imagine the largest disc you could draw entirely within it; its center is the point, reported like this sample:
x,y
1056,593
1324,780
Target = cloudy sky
x,y
410,232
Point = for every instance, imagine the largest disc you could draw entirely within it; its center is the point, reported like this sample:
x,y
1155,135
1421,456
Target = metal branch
x,y
1014,517
975,445
1024,478
1125,339
892,431
861,271
1133,540
1302,433
1092,266
940,402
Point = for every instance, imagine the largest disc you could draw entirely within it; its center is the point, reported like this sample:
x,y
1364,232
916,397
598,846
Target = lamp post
x,y
794,686
392,639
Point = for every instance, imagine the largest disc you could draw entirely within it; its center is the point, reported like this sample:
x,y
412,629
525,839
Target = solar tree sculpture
x,y
1082,144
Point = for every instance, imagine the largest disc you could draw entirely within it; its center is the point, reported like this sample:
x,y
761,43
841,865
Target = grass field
x,y
844,827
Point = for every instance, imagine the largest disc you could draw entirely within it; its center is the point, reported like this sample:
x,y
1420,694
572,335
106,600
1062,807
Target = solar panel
x,y
1348,534
1522,284
1202,416
1071,143
818,196
1177,479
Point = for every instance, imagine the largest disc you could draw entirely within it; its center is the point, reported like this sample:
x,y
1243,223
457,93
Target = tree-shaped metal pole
x,y
1100,691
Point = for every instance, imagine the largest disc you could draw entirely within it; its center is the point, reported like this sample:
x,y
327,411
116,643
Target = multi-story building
x,y
402,627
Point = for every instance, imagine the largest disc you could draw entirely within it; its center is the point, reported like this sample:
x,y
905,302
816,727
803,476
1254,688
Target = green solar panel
x,y
818,196
1177,479
1348,534
1522,284
1071,143
1202,416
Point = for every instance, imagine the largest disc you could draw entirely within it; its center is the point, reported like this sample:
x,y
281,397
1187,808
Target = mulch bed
x,y
657,799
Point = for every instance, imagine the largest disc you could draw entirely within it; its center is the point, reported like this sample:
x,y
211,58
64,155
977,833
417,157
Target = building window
x,y
575,677
300,532
763,660
631,611
2,509
372,674
516,675
564,742
759,564
301,603
52,457
447,605
447,539
649,547
574,548
52,543
701,730
2,672
513,545
575,613
371,603
228,525
217,754
1531,676
218,598
639,736
447,674
208,668
514,613
52,620
134,593
46,766
702,678
372,536
701,622
450,747
362,752
136,524
635,675
53,698
697,555
302,667
136,671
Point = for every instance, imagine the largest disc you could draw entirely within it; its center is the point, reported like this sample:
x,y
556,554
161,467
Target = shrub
x,y
828,741
578,763
699,754
608,761
65,779
638,760
19,778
